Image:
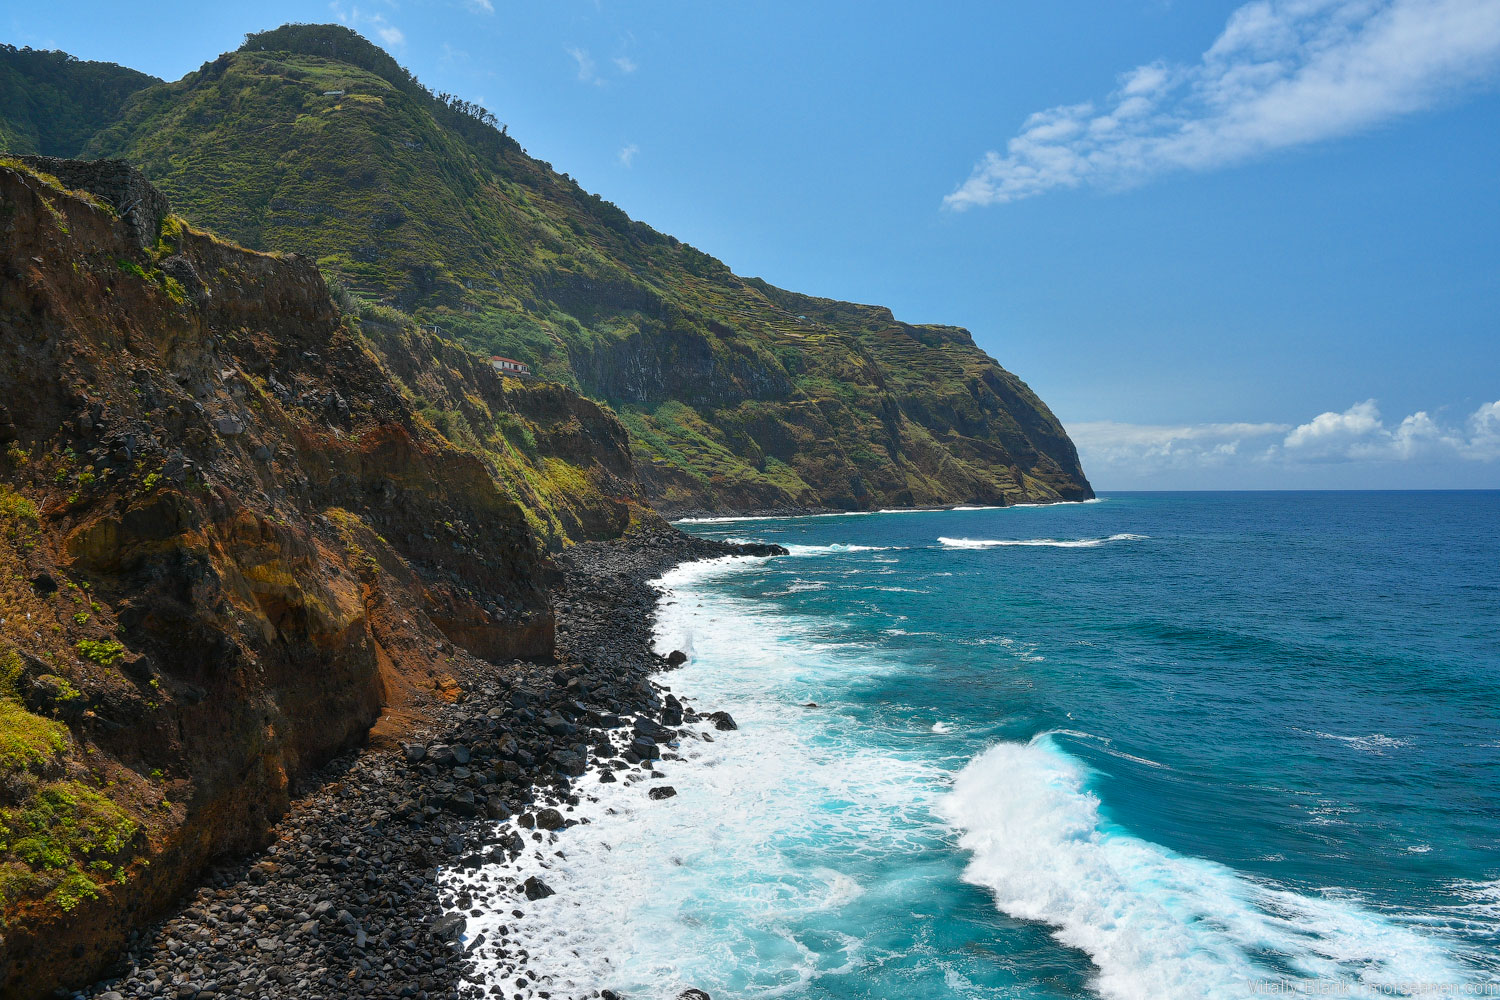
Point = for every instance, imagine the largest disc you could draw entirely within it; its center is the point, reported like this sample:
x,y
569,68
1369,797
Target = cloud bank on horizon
x,y
1282,73
1139,453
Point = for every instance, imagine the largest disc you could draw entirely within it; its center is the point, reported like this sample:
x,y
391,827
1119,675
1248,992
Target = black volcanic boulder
x,y
722,721
671,711
449,928
650,729
569,762
535,889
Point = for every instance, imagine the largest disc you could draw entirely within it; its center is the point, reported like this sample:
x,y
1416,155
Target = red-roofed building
x,y
510,365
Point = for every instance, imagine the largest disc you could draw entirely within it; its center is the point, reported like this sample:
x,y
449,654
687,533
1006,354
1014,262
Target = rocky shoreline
x,y
347,901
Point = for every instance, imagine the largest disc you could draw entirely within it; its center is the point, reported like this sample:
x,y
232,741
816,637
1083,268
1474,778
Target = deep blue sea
x,y
1154,746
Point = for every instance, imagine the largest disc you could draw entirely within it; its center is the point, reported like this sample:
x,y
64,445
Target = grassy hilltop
x,y
737,395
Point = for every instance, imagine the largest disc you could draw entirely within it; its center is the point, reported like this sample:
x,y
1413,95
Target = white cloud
x,y
1330,433
1267,453
588,68
375,23
1282,73
588,72
1108,442
480,6
1359,434
1484,431
627,154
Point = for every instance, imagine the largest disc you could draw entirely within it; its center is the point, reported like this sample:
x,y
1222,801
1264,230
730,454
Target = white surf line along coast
x,y
708,887
1049,543
728,519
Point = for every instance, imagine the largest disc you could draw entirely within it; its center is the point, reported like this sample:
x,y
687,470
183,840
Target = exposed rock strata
x,y
229,545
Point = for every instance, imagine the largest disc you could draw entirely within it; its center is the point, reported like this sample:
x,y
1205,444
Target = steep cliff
x,y
229,538
737,395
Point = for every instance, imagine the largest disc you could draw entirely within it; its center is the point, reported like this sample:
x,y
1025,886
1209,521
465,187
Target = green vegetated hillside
x,y
737,395
52,103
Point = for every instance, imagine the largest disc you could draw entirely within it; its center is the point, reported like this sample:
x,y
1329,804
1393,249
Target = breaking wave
x,y
1049,543
1155,923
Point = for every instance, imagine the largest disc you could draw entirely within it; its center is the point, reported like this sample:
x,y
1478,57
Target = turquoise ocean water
x,y
1158,745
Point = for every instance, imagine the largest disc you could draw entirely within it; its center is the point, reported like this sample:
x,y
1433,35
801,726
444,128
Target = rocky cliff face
x,y
230,537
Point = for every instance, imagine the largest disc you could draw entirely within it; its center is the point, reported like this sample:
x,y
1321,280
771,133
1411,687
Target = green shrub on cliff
x,y
57,837
49,843
102,651
27,741
29,744
19,519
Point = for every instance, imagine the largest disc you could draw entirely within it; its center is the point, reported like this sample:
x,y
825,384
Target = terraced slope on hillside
x,y
738,395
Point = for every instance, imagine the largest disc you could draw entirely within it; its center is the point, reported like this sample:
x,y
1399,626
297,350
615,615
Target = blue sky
x,y
1233,245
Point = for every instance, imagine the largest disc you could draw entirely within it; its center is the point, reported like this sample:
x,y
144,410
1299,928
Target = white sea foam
x,y
800,586
1050,543
1024,651
771,517
1376,743
834,549
711,888
1157,924
1481,902
1136,760
866,513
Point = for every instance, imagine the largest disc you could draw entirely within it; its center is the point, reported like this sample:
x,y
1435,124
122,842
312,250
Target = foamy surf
x,y
1374,743
1157,924
1050,543
834,549
821,849
730,519
711,888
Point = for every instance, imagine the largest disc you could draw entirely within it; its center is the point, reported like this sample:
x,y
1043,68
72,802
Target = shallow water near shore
x,y
1156,746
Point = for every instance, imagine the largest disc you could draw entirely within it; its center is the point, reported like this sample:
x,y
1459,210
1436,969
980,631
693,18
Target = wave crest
x,y
1157,924
1050,543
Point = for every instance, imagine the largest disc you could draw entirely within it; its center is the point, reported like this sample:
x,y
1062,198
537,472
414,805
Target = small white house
x,y
510,365
333,93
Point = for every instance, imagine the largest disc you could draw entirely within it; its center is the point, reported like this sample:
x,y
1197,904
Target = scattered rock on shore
x,y
346,902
